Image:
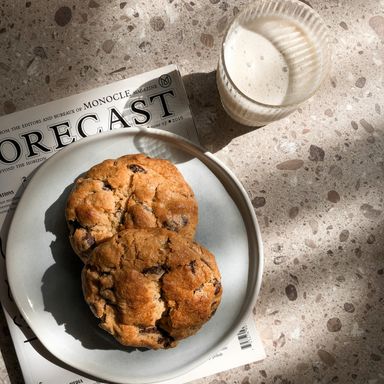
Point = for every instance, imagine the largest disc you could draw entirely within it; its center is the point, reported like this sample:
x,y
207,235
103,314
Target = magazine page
x,y
40,367
155,99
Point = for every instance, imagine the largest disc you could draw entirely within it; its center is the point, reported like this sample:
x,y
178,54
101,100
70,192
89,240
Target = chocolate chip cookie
x,y
133,191
151,287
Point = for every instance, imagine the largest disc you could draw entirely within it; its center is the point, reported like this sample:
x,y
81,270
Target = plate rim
x,y
203,155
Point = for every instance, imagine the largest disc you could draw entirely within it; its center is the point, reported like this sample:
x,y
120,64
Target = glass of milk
x,y
274,57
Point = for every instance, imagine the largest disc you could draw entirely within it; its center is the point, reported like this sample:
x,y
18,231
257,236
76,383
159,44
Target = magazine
x,y
155,99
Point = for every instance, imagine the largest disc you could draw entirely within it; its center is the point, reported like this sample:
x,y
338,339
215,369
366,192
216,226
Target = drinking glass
x,y
274,56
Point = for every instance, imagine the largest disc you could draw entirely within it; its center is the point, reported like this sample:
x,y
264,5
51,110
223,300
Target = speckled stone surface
x,y
316,178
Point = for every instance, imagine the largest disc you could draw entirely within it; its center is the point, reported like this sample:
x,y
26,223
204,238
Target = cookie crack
x,y
166,338
155,200
207,263
139,202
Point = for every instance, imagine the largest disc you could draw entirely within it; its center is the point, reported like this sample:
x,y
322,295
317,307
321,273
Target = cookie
x,y
151,287
133,191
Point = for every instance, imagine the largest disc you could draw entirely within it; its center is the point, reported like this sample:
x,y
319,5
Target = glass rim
x,y
276,106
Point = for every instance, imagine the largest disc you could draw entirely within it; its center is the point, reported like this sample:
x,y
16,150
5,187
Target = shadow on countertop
x,y
8,352
215,128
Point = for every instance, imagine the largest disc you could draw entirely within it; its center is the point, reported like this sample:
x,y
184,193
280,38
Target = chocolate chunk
x,y
137,168
171,225
74,224
166,341
107,186
89,239
185,220
144,329
217,286
192,265
156,270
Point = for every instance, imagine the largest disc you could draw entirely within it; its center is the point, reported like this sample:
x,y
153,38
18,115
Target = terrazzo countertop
x,y
315,178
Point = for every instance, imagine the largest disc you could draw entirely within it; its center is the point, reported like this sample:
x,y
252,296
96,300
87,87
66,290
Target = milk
x,y
256,66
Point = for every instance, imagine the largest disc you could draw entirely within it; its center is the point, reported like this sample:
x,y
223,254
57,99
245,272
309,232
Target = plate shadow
x,y
61,286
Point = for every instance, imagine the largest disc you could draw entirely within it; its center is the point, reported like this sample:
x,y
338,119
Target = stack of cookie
x,y
132,222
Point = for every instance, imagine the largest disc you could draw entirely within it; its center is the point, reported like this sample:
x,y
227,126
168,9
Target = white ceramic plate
x,y
44,274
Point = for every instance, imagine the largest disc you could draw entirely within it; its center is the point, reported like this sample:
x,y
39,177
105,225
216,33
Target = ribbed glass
x,y
299,34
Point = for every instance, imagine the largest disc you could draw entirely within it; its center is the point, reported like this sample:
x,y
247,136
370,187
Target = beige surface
x,y
315,178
